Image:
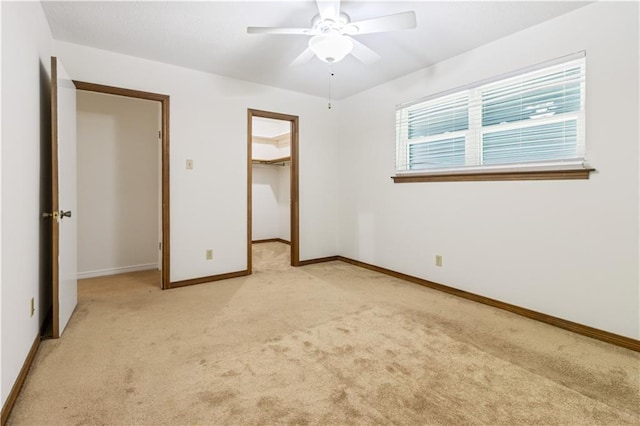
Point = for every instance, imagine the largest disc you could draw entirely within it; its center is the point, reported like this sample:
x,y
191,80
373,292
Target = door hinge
x,y
160,246
159,134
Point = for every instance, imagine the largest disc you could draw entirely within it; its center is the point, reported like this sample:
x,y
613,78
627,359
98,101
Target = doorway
x,y
272,145
163,246
118,182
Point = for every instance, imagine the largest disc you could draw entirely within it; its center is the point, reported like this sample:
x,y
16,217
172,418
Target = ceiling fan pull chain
x,y
330,83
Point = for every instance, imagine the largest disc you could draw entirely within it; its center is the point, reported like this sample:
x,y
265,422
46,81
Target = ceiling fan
x,y
332,30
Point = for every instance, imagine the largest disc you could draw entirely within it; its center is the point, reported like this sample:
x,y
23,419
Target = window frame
x,y
405,152
474,134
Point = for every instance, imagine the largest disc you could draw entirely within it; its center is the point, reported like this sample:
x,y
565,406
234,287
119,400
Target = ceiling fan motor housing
x,y
338,25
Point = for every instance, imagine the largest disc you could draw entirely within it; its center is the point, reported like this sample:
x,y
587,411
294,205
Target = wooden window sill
x,y
495,176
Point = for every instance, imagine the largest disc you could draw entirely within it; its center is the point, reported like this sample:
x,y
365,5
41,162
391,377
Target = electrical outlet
x,y
33,306
438,260
209,254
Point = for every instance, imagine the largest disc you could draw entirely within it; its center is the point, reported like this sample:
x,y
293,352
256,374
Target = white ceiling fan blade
x,y
277,30
363,53
329,9
397,21
303,58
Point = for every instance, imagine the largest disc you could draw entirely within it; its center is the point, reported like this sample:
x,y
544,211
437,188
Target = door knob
x,y
65,214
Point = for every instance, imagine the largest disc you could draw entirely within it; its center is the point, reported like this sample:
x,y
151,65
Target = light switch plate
x,y
189,164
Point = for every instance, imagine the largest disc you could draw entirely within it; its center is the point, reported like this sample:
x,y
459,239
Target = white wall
x,y
267,149
208,125
26,45
263,151
271,211
118,172
269,127
264,195
271,183
2,395
284,202
565,248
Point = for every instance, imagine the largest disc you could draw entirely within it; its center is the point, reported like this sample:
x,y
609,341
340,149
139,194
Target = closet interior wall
x,y
271,177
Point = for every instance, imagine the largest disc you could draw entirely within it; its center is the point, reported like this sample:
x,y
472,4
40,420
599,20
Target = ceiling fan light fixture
x,y
331,47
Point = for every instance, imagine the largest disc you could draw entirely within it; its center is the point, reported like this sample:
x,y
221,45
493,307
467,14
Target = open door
x,y
63,187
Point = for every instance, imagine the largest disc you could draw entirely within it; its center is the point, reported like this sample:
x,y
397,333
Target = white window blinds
x,y
535,118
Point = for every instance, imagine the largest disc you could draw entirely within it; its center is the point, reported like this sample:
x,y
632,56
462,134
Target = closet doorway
x,y
272,183
126,158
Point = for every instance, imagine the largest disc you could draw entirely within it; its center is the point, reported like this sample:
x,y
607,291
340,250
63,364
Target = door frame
x,y
294,216
164,101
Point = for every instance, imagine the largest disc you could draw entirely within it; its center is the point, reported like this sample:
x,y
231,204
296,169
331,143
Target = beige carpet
x,y
326,344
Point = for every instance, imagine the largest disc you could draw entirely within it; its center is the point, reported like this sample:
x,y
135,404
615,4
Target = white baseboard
x,y
115,271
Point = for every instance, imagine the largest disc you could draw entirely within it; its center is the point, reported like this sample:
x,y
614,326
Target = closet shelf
x,y
273,162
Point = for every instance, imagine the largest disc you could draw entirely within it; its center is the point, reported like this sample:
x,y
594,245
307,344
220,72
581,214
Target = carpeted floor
x,y
327,344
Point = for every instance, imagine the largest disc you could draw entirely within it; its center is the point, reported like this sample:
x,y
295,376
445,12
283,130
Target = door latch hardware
x,y
53,215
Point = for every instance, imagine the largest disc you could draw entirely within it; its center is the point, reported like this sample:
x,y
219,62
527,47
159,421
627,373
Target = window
x,y
436,133
533,120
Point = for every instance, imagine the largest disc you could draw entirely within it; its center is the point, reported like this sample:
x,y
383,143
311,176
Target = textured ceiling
x,y
211,36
